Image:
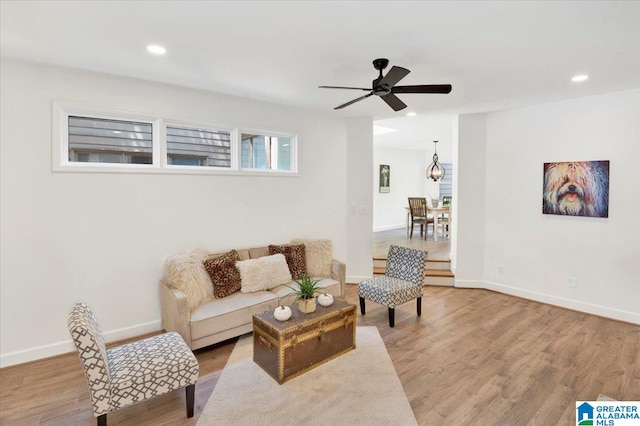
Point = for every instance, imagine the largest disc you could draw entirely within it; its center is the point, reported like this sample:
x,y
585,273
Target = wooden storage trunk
x,y
290,348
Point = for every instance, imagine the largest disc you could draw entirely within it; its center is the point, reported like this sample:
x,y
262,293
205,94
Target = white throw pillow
x,y
319,254
185,272
263,273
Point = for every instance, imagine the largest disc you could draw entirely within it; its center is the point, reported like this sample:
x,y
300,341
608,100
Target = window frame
x,y
293,151
193,125
60,155
61,110
449,179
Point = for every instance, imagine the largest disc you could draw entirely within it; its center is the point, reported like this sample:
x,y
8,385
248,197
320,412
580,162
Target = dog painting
x,y
577,188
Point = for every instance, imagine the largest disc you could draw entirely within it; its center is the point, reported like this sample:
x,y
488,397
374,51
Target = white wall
x,y
540,252
407,180
101,237
468,227
502,188
360,199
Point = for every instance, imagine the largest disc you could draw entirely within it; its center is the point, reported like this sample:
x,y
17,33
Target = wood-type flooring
x,y
473,357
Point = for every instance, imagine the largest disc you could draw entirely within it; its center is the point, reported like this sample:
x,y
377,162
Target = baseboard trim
x,y
602,311
389,227
59,348
468,283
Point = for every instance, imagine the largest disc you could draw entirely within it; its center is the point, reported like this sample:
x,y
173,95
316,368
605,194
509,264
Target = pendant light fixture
x,y
435,171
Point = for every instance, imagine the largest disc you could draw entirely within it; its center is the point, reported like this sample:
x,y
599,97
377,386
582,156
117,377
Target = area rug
x,y
359,387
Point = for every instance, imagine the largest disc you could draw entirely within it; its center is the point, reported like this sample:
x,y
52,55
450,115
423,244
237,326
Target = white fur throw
x,y
185,272
263,273
319,253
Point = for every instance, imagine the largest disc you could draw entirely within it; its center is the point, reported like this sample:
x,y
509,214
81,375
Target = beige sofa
x,y
219,319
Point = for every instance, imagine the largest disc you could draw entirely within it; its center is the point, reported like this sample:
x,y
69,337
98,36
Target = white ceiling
x,y
495,54
419,132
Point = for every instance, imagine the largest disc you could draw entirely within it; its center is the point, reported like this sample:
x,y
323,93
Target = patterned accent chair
x,y
134,372
401,283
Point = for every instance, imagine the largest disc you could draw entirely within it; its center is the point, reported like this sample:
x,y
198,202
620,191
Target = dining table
x,y
436,211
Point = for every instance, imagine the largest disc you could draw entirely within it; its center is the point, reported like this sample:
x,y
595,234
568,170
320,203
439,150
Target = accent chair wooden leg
x,y
411,232
362,305
419,306
102,420
392,317
191,392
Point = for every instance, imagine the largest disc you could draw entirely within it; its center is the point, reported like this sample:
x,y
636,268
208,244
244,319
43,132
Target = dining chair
x,y
418,209
445,217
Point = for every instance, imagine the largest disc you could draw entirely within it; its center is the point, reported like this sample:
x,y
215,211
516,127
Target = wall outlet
x,y
364,209
501,269
573,282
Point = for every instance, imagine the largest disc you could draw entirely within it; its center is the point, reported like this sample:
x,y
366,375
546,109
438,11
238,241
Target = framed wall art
x,y
576,188
385,177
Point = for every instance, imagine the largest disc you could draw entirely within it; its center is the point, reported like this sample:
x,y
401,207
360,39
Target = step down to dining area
x,y
437,272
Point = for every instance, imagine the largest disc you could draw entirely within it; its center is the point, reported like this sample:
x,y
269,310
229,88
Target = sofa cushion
x,y
263,273
319,253
296,259
256,252
223,273
218,315
185,272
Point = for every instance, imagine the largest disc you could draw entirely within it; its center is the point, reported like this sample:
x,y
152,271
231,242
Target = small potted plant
x,y
305,293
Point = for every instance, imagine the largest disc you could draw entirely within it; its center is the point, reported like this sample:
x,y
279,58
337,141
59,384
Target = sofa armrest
x,y
339,273
175,311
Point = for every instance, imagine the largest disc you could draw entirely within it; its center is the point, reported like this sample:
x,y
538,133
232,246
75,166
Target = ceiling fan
x,y
386,88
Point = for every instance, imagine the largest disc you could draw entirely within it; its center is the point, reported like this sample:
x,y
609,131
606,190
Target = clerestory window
x,y
94,140
99,140
265,152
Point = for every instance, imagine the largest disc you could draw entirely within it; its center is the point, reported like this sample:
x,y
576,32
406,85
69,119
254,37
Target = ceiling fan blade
x,y
341,87
354,101
394,75
394,102
425,88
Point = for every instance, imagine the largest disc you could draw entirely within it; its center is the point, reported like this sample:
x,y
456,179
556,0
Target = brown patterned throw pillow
x,y
296,259
224,274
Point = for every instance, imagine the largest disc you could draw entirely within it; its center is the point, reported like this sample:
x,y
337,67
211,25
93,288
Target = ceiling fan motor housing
x,y
380,90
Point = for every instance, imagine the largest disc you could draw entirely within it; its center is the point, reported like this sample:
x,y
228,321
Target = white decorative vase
x,y
325,299
307,306
282,313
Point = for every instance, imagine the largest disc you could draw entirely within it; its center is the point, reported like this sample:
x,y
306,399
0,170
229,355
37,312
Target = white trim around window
x,y
273,152
177,146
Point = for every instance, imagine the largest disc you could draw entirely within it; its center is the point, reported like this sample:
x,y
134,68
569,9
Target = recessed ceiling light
x,y
156,49
411,114
579,78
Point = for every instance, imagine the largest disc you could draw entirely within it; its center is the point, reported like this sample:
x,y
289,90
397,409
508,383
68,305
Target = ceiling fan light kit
x,y
435,170
385,86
